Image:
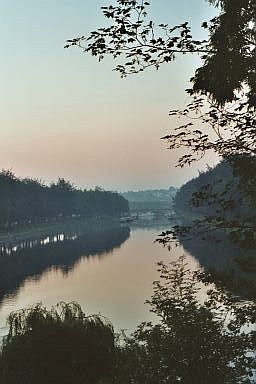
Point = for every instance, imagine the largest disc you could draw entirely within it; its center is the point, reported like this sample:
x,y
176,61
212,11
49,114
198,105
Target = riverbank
x,y
34,231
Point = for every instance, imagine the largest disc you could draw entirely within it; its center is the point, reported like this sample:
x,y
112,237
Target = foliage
x,y
218,223
228,202
222,198
201,340
151,195
54,346
135,38
151,199
228,55
229,65
197,340
223,88
232,130
26,201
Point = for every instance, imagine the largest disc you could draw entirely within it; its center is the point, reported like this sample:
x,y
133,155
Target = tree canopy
x,y
195,340
228,55
223,88
229,65
61,345
25,201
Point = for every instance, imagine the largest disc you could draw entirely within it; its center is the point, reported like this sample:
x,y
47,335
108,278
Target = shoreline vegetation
x,y
192,341
25,202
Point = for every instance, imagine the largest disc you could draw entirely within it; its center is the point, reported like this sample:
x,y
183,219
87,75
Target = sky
x,y
63,114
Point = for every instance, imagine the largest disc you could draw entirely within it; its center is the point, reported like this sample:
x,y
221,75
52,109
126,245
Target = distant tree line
x,y
151,195
28,201
151,199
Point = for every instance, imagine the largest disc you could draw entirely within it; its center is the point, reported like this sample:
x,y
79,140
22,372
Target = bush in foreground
x,y
204,335
56,346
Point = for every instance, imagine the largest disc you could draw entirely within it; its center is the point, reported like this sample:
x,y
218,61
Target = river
x,y
107,270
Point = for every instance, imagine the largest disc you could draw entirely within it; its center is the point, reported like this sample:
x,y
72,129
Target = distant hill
x,y
218,177
150,198
230,187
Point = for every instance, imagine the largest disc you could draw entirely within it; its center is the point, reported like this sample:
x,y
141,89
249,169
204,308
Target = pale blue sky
x,y
63,114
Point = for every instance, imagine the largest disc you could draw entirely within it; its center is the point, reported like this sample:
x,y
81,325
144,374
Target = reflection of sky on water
x,y
115,286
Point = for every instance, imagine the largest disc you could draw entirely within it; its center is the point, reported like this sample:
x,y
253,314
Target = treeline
x,y
151,195
150,199
28,201
224,189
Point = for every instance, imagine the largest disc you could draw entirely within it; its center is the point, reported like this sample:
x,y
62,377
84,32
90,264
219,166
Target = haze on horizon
x,y
66,115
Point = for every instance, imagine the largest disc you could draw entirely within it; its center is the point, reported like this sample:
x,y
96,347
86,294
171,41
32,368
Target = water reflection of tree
x,y
194,341
228,263
61,252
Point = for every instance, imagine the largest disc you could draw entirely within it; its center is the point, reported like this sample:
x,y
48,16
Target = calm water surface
x,y
110,272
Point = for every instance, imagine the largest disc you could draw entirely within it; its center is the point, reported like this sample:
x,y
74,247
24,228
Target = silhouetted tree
x,y
195,340
60,345
26,201
223,88
228,55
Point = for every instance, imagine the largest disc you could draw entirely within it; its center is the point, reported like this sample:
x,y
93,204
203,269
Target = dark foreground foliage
x,y
57,346
138,43
202,336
